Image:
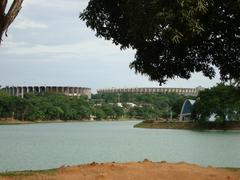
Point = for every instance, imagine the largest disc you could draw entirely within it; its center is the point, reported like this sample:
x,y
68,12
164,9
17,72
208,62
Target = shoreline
x,y
147,124
129,170
150,124
18,122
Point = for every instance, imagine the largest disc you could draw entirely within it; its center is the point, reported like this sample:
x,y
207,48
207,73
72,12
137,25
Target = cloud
x,y
94,49
24,23
60,4
67,49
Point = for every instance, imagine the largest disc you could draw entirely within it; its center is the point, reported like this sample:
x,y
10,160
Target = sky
x,y
49,45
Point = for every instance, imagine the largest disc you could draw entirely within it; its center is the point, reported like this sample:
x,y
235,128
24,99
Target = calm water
x,y
42,146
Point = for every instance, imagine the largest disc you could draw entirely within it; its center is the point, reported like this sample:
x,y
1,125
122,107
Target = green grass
x,y
28,173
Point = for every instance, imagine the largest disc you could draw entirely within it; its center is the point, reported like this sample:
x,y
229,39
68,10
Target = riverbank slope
x,y
234,125
129,171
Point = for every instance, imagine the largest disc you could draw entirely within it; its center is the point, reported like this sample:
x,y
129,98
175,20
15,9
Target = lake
x,y
44,146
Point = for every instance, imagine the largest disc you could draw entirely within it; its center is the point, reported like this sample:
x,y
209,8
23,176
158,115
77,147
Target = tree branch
x,y
3,6
7,19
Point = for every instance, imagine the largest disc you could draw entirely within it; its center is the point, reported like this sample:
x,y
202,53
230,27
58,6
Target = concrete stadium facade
x,y
68,91
181,91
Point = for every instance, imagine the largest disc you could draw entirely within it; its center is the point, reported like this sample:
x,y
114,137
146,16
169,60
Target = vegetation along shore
x,y
52,107
189,125
215,108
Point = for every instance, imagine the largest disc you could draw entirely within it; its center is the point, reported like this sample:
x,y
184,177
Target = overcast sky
x,y
49,45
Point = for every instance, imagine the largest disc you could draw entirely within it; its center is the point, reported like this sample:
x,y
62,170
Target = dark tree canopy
x,y
172,38
221,101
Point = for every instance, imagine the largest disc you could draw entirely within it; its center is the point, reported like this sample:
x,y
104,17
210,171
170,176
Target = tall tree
x,y
172,38
6,18
221,101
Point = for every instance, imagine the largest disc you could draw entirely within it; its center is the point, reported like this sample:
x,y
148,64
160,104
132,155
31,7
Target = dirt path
x,y
131,171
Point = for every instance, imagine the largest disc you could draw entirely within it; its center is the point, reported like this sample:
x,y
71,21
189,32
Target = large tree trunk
x,y
7,18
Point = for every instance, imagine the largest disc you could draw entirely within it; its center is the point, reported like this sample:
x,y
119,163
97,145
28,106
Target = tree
x,y
118,111
172,38
222,101
100,114
7,18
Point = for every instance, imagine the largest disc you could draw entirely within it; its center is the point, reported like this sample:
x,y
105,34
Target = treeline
x,y
102,106
44,107
144,106
220,103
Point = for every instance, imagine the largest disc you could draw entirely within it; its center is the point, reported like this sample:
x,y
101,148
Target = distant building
x,y
181,91
119,104
186,111
131,104
68,91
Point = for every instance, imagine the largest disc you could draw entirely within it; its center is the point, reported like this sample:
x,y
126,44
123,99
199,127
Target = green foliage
x,y
100,114
44,107
145,112
172,38
108,111
222,101
102,106
147,106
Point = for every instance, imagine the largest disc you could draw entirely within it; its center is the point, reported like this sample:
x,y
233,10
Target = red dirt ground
x,y
145,170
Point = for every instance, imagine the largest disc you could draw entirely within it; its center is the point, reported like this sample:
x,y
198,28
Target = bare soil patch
x,y
145,170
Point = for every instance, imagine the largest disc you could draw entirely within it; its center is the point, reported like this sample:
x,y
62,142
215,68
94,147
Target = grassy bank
x,y
189,125
28,173
18,122
10,121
